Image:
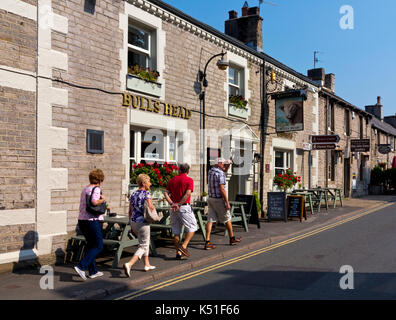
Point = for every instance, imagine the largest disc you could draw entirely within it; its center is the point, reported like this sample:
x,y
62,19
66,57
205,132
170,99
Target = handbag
x,y
151,216
94,210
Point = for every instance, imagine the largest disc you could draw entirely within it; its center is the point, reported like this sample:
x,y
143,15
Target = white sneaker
x,y
127,270
80,272
149,268
96,275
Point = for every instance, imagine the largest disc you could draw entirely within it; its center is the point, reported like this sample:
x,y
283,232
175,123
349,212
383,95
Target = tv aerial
x,y
316,60
267,2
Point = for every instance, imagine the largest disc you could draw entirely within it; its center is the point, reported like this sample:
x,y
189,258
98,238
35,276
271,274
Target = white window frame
x,y
151,59
241,63
239,74
287,159
135,156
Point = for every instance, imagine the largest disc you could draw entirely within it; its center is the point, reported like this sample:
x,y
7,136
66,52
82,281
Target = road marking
x,y
245,256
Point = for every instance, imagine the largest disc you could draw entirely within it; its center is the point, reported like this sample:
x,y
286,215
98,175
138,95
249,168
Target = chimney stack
x,y
232,14
317,75
330,81
376,109
248,28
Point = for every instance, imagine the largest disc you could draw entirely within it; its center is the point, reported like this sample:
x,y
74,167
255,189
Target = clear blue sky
x,y
362,59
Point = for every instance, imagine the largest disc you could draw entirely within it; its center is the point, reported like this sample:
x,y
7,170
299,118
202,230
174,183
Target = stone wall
x,y
17,149
18,41
93,44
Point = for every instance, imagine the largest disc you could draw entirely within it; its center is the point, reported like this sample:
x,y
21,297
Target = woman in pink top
x,y
90,226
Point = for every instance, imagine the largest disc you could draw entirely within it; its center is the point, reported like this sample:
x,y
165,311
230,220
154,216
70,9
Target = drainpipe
x,y
262,135
36,111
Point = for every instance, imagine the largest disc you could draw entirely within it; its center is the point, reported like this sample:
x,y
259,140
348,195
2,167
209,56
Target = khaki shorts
x,y
218,211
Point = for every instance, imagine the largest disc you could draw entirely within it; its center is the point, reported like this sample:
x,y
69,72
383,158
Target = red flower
x,y
140,165
134,166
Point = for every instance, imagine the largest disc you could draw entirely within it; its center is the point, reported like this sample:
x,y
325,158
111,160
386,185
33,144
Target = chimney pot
x,y
245,11
378,100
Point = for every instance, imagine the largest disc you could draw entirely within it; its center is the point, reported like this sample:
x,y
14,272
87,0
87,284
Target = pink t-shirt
x,y
84,215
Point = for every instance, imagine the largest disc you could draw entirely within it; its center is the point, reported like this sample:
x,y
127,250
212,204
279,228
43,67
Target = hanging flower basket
x,y
159,174
287,180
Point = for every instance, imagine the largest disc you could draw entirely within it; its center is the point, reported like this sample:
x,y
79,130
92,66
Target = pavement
x,y
24,284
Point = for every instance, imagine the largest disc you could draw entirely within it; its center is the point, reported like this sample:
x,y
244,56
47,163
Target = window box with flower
x,y
143,80
237,106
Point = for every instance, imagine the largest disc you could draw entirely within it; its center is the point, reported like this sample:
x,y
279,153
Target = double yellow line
x,y
196,273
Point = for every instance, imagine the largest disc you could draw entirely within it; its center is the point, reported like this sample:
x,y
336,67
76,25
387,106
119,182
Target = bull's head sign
x,y
289,114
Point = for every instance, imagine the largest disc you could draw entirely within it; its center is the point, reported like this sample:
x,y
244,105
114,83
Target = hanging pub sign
x,y
289,110
360,145
150,105
384,148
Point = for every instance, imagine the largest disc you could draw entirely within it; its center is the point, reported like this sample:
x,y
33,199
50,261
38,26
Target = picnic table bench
x,y
237,213
120,238
318,195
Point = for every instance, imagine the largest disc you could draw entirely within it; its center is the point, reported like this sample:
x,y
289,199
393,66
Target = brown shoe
x,y
235,240
184,251
209,245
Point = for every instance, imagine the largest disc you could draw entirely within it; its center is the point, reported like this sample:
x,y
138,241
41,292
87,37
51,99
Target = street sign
x,y
384,148
334,138
307,146
360,145
323,146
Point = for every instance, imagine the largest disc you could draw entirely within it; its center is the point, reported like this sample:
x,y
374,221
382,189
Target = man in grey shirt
x,y
219,205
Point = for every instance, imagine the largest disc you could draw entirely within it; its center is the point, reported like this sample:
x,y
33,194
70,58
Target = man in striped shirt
x,y
219,205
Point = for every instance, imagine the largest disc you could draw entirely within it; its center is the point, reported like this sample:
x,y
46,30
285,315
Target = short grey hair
x,y
184,167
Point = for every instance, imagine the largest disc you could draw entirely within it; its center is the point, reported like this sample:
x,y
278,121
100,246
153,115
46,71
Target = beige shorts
x,y
218,211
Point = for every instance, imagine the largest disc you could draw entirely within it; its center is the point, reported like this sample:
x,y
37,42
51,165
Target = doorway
x,y
347,177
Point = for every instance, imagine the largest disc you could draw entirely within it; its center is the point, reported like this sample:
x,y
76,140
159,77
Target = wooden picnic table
x,y
308,198
118,236
335,194
317,196
237,212
321,194
165,224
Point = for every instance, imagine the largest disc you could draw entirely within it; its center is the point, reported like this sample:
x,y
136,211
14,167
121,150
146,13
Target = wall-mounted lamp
x,y
222,64
273,76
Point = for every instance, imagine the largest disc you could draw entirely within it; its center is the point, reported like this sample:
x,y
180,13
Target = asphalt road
x,y
305,269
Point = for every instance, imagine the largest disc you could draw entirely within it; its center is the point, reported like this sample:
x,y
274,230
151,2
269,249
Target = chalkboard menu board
x,y
296,207
276,206
250,208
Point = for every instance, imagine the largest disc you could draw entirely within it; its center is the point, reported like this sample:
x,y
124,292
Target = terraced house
x,y
110,84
